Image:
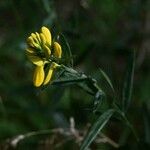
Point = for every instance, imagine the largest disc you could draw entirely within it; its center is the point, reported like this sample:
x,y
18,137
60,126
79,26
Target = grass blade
x,y
126,121
107,79
128,83
96,128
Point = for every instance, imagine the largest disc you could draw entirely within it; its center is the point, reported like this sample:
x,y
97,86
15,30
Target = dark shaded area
x,y
101,33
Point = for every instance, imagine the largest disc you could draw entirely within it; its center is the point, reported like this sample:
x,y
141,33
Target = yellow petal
x,y
30,50
35,38
57,50
47,51
43,39
50,73
32,43
48,77
38,76
38,36
35,59
47,35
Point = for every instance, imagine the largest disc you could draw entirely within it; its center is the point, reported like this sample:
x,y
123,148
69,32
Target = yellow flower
x,y
41,51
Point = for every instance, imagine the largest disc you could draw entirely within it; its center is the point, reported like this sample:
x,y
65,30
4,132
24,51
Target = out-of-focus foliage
x,y
101,34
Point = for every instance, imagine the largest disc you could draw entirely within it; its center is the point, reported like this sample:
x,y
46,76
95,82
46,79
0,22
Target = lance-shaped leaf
x,y
128,82
107,79
96,128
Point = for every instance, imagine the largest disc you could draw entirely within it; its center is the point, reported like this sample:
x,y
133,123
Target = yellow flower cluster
x,y
41,51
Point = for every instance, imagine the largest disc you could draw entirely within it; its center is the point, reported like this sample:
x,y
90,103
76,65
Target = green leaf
x,y
107,79
96,128
68,76
126,121
128,82
68,81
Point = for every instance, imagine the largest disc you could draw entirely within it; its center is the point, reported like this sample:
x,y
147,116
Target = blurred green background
x,y
101,33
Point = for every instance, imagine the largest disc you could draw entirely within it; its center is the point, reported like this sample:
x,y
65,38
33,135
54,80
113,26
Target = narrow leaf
x,y
96,128
68,81
107,79
128,82
126,121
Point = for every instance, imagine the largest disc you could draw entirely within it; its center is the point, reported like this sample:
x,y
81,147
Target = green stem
x,y
122,114
87,83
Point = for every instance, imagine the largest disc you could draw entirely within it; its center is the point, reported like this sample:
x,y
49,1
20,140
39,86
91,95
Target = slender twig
x,y
106,139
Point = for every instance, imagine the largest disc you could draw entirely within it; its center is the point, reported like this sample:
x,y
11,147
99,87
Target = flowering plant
x,y
45,53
